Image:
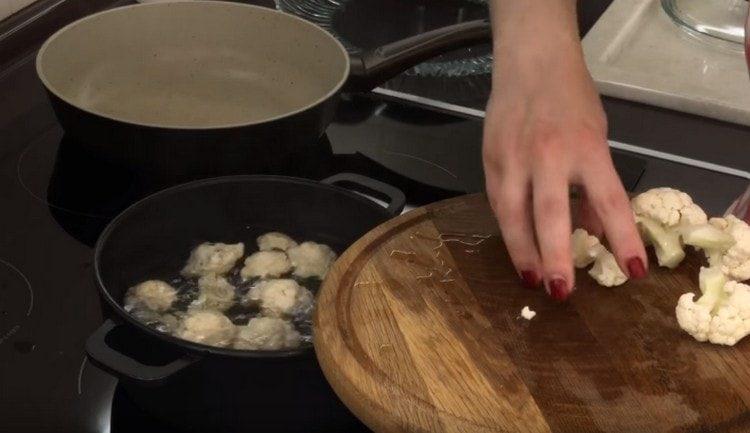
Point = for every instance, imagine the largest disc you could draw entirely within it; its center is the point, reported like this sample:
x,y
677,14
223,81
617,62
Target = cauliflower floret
x,y
606,271
661,214
279,298
585,248
154,295
311,259
706,237
668,207
721,315
735,262
264,264
275,241
216,293
207,327
693,318
267,333
666,242
210,258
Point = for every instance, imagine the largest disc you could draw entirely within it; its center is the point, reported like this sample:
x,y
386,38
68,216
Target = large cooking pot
x,y
221,389
207,87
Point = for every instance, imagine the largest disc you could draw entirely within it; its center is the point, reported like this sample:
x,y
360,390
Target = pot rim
x,y
40,69
197,348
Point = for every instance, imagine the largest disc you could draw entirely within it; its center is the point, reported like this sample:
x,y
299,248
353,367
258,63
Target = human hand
x,y
545,130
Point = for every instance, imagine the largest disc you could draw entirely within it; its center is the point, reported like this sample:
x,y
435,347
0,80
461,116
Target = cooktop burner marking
x,y
26,281
80,374
426,161
35,195
10,333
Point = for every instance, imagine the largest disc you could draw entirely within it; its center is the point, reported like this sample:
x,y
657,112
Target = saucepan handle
x,y
125,367
396,198
373,68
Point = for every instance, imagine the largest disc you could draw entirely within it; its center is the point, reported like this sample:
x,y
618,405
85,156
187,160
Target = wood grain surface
x,y
419,335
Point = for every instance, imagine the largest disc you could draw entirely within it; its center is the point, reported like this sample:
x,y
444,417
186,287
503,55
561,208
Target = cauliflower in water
x,y
275,241
154,295
216,293
210,258
311,259
660,214
265,264
721,315
279,298
267,333
207,327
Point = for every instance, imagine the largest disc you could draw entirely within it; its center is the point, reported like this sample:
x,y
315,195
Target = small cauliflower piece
x,y
154,295
213,258
721,315
527,313
267,333
207,327
585,248
606,271
311,259
216,293
266,264
275,241
280,298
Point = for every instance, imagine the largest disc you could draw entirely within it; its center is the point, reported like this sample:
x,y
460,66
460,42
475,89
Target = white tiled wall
x,y
9,7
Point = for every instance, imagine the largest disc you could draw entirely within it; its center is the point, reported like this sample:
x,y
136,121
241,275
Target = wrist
x,y
534,24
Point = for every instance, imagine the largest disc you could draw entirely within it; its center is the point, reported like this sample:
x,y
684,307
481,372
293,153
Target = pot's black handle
x,y
373,68
396,198
125,367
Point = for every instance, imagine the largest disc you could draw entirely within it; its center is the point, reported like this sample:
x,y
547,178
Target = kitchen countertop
x,y
636,52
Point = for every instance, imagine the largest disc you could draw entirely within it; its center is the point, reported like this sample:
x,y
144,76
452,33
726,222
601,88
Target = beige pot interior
x,y
197,64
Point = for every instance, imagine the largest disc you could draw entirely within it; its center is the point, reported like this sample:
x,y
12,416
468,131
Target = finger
x,y
610,202
587,218
553,228
511,203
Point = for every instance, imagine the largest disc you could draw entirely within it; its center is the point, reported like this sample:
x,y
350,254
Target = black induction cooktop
x,y
55,199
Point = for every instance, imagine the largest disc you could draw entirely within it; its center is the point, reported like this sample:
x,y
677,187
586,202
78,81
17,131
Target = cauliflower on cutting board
x,y
588,249
606,271
661,213
721,315
733,256
668,207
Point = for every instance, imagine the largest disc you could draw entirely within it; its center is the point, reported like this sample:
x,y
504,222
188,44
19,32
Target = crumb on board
x,y
527,313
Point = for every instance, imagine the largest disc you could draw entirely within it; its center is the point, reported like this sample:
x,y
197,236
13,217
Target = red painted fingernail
x,y
558,289
530,279
636,268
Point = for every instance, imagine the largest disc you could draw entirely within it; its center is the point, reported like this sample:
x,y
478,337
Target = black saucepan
x,y
215,389
209,87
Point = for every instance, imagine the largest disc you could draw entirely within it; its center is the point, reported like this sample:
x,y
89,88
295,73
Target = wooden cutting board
x,y
419,335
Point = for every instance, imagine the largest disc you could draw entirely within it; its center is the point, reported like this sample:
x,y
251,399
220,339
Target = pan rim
x,y
198,348
41,73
